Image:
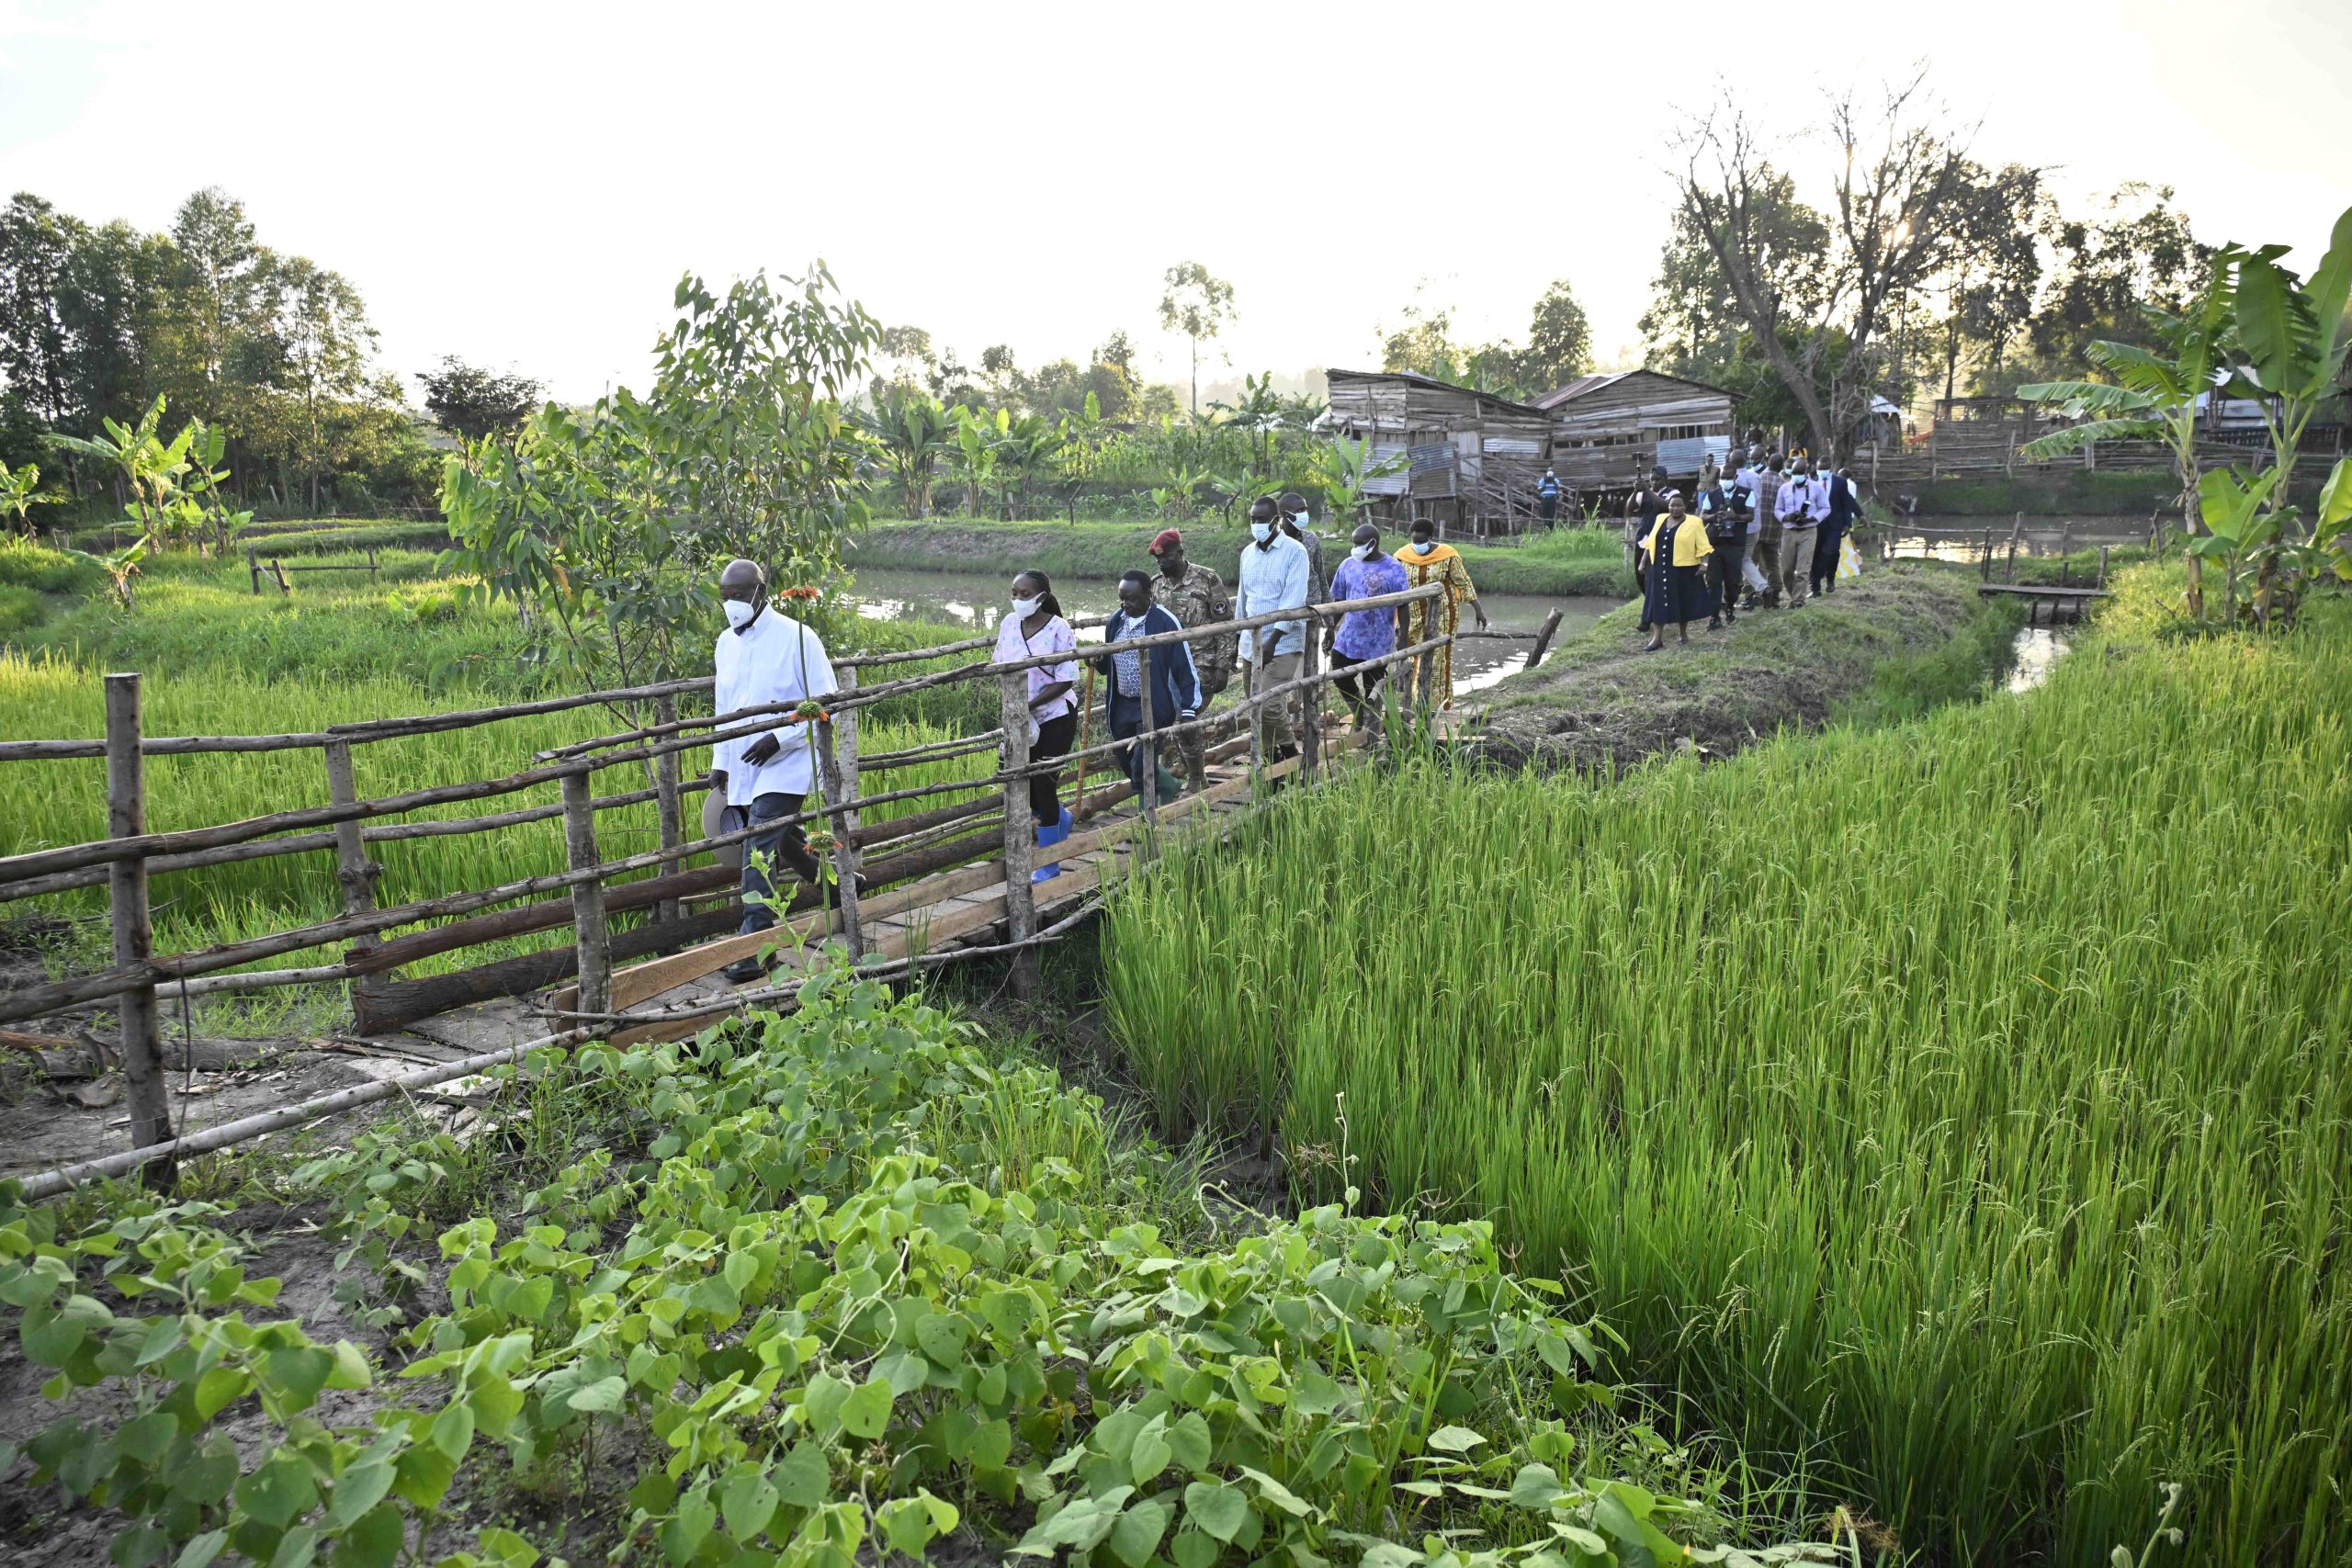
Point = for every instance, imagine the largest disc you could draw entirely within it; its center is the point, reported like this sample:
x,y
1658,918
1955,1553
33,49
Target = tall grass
x,y
1966,1104
64,802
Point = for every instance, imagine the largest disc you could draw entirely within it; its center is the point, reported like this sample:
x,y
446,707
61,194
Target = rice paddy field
x,y
217,661
1959,1111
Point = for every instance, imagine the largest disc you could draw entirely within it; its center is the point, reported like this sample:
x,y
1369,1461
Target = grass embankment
x,y
220,660
1905,638
824,1290
2130,495
1566,562
1964,1104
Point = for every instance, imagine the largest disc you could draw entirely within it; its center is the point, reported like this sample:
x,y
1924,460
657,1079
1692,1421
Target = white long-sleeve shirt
x,y
774,659
1274,578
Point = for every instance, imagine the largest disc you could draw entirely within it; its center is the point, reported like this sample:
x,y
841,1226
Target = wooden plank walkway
x,y
2041,591
939,913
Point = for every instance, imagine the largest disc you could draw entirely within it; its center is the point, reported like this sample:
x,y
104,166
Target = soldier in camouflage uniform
x,y
1196,597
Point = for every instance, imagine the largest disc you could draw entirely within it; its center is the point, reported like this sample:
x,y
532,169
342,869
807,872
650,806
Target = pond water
x,y
1962,538
2039,649
976,600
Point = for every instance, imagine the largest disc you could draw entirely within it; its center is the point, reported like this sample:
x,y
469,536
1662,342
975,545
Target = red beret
x,y
1164,538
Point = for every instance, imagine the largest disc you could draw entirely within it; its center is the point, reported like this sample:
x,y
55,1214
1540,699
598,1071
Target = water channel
x,y
976,600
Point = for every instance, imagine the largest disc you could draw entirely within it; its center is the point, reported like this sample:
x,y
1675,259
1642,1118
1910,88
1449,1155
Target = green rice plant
x,y
1964,1104
54,803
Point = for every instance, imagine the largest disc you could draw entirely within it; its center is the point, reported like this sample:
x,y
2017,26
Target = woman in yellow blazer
x,y
1678,544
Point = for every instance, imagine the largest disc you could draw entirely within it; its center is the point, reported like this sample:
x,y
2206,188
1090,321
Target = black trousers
x,y
786,843
1824,554
1055,738
1723,574
1360,685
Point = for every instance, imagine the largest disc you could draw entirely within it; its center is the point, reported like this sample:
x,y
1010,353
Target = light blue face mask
x,y
1423,547
1261,532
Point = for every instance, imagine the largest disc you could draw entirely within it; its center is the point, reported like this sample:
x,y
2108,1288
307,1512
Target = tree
x,y
474,403
1989,286
1198,305
323,345
219,262
609,528
35,242
1559,341
2137,252
1898,172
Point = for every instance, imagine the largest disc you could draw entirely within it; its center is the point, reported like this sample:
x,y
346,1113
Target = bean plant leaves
x,y
1215,1508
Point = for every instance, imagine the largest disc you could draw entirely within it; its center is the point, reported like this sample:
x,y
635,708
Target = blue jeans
x,y
786,843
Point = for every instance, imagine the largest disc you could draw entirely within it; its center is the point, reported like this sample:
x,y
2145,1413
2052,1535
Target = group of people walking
x,y
765,661
1280,569
1765,535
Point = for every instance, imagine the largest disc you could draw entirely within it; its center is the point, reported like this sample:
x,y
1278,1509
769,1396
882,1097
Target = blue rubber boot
x,y
1047,839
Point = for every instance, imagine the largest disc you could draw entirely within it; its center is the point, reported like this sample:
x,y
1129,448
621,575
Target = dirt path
x,y
1599,702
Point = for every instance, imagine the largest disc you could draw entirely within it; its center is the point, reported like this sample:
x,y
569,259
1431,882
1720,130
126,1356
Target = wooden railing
x,y
592,887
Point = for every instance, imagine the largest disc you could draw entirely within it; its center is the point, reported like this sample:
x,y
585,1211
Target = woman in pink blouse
x,y
1036,627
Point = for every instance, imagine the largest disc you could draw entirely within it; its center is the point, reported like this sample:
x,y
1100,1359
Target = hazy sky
x,y
524,184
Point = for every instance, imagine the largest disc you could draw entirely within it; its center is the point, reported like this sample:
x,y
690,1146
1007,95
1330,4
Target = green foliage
x,y
609,528
474,403
25,564
863,1287
1950,1126
1197,305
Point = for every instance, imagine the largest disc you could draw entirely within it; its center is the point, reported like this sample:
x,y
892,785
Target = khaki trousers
x,y
1274,728
1796,560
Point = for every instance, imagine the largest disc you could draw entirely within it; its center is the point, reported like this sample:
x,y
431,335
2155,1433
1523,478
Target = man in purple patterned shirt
x,y
1363,635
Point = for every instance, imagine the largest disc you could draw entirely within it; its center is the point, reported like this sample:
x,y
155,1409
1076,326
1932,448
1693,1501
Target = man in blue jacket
x,y
1166,671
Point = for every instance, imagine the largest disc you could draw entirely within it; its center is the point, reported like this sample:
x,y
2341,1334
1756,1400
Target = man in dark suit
x,y
1843,509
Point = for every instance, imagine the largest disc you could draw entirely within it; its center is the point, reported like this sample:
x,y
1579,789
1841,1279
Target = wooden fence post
x,y
1019,831
1425,666
666,804
1310,744
135,937
252,570
1544,638
1147,746
838,755
354,874
1255,702
588,931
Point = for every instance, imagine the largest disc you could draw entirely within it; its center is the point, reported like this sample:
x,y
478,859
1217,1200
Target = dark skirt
x,y
1677,594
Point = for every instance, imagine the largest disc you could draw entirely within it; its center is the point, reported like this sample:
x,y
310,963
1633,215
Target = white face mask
x,y
1261,532
1424,547
1024,609
1298,521
739,614
1362,552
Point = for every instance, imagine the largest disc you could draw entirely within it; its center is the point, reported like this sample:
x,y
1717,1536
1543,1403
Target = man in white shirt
x,y
764,657
1274,576
1758,505
1803,505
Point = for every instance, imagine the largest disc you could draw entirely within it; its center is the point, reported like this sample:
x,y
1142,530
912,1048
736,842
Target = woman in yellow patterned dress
x,y
1426,562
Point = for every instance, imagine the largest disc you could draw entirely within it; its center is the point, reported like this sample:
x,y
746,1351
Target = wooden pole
x,y
1310,743
837,752
1255,683
2102,566
2016,528
588,927
252,570
354,874
134,937
284,587
1147,776
666,797
1020,832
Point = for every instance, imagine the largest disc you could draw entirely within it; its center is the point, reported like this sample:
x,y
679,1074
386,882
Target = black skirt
x,y
1677,593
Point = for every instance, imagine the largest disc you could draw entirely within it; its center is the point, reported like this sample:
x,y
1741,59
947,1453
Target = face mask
x,y
1298,521
739,614
1261,532
1024,609
1362,552
1424,547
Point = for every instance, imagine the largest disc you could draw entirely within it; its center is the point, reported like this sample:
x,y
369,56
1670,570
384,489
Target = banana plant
x,y
974,454
2290,339
914,430
20,492
149,468
2238,529
2152,397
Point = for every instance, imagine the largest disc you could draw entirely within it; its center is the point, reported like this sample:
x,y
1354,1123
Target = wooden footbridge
x,y
948,881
